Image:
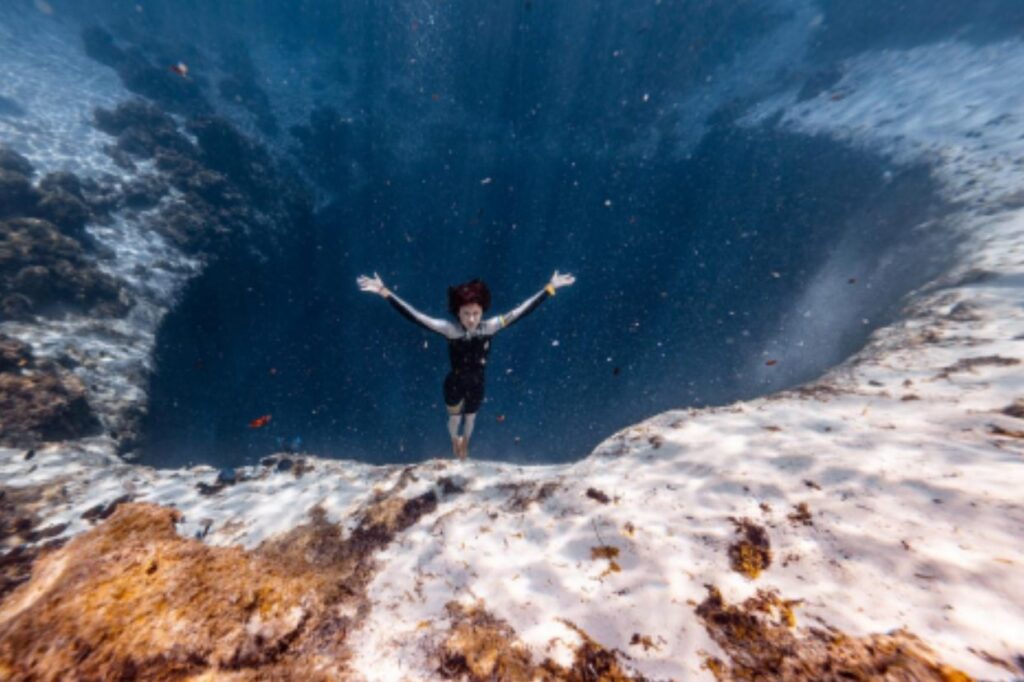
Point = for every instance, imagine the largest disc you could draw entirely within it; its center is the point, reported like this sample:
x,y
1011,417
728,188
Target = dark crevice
x,y
685,284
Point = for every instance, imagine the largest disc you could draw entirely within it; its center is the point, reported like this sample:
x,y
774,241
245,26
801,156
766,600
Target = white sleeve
x,y
494,324
442,327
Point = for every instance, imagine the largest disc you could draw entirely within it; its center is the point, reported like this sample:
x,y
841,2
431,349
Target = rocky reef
x,y
47,260
220,197
40,401
49,268
132,598
230,192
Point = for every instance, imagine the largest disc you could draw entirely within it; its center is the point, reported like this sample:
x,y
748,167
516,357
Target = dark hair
x,y
473,291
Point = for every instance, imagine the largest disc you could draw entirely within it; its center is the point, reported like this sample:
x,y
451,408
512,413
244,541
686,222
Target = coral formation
x,y
132,598
39,401
47,264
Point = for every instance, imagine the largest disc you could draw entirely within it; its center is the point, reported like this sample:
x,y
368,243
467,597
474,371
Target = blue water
x,y
441,141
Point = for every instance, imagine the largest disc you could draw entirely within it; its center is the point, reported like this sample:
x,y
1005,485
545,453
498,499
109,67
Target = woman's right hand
x,y
372,284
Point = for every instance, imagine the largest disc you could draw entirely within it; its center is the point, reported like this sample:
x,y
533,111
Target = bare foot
x,y
465,447
457,447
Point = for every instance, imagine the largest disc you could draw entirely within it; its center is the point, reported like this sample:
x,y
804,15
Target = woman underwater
x,y
469,342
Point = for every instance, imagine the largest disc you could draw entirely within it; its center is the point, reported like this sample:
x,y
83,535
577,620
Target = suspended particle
x,y
259,422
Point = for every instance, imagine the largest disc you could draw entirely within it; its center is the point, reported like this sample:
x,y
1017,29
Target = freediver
x,y
469,342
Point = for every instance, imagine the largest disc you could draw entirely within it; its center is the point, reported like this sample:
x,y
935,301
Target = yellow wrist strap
x,y
550,288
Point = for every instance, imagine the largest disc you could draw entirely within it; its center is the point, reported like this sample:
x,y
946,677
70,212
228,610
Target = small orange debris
x,y
259,422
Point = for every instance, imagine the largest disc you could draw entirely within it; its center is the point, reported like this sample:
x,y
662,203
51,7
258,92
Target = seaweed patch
x,y
525,494
752,553
801,515
606,552
481,647
761,641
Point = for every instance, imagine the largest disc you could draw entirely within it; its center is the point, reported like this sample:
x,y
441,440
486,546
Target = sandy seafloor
x,y
913,475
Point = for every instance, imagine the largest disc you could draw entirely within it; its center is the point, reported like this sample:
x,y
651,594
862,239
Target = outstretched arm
x,y
495,324
375,285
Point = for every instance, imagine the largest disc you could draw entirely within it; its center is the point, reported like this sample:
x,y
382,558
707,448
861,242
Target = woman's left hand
x,y
558,281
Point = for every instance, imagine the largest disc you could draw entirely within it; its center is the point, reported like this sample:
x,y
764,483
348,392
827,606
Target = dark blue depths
x,y
445,141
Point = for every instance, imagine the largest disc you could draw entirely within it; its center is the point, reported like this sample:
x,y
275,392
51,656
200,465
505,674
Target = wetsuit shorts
x,y
463,392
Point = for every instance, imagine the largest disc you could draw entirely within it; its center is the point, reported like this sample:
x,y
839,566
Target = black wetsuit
x,y
468,351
